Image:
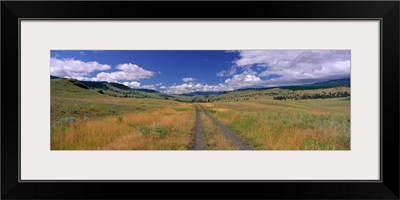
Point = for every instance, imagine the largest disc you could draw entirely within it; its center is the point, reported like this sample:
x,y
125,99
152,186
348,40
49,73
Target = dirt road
x,y
198,134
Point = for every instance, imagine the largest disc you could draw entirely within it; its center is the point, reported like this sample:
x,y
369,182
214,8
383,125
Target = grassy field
x,y
288,125
157,129
84,119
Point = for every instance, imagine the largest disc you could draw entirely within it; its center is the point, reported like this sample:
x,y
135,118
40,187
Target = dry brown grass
x,y
169,129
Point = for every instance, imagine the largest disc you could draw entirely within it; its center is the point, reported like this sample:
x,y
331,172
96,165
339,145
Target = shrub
x,y
120,119
210,143
66,120
158,131
146,130
155,130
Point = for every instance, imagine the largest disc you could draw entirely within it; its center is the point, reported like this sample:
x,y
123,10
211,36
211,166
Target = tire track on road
x,y
232,137
198,132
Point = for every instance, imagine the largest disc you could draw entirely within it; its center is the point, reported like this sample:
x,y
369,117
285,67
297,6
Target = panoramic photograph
x,y
200,99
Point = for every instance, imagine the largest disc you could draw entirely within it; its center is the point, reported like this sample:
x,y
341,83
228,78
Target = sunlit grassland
x,y
320,124
84,119
88,108
116,123
213,138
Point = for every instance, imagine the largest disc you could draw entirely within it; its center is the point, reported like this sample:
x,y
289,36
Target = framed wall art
x,y
290,96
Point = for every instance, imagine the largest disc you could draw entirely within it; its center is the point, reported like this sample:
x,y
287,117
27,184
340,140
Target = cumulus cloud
x,y
277,68
246,79
298,66
74,68
188,79
151,87
229,72
128,72
132,84
135,85
194,87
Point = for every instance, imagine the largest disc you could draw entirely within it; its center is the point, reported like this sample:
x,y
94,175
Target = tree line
x,y
322,95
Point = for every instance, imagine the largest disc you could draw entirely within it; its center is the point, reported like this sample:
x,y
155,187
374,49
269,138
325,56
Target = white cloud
x,y
229,72
135,85
251,79
134,72
74,68
299,65
82,53
151,87
163,87
132,84
188,79
194,87
129,72
246,79
243,78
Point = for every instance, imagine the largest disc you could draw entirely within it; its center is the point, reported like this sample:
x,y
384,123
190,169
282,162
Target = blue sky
x,y
185,71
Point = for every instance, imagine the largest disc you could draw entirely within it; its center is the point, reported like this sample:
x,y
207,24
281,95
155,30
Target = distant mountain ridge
x,y
200,93
335,83
321,85
318,85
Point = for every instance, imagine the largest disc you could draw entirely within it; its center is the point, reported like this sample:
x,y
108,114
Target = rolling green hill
x,y
66,88
113,89
62,87
119,90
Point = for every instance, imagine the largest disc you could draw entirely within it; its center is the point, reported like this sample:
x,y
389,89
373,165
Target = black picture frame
x,y
386,11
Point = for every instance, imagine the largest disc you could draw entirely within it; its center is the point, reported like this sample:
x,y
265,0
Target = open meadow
x,y
288,125
83,119
89,120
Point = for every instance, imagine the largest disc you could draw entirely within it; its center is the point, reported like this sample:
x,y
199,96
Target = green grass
x,y
64,88
153,130
308,124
